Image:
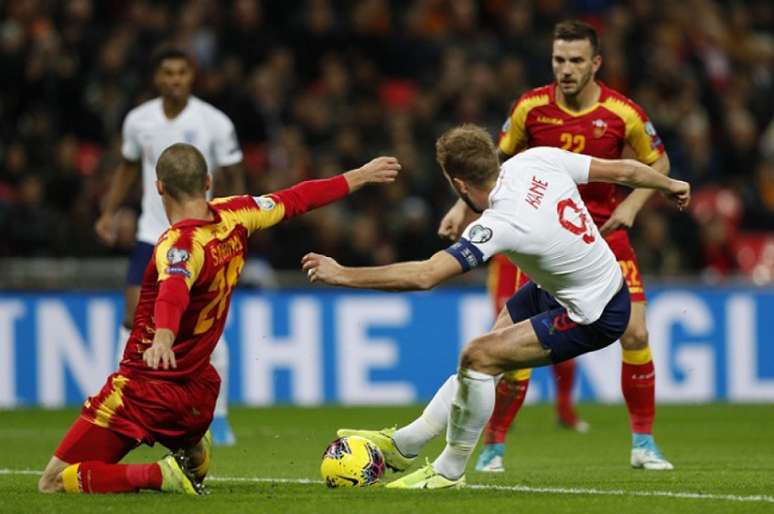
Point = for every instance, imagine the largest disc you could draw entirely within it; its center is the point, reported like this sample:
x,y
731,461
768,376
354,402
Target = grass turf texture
x,y
717,449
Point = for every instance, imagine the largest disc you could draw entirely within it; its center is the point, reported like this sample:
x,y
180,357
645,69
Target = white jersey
x,y
147,132
537,218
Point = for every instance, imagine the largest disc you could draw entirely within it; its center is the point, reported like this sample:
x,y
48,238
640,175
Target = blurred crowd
x,y
315,87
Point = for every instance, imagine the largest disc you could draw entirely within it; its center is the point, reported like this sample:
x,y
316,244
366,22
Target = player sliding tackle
x,y
532,211
165,388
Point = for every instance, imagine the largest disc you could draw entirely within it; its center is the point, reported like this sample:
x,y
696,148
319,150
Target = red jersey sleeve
x,y
262,212
640,133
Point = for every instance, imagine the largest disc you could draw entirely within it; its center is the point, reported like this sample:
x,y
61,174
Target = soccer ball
x,y
352,462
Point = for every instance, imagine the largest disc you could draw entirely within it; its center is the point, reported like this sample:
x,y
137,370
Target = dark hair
x,y
165,52
468,152
574,30
183,171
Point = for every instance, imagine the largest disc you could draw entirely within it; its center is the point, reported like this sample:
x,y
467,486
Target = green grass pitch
x,y
724,457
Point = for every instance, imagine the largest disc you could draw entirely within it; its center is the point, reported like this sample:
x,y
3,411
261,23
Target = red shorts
x,y
175,414
505,277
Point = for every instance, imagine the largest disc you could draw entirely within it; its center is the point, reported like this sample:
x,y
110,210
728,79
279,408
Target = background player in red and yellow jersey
x,y
579,114
165,388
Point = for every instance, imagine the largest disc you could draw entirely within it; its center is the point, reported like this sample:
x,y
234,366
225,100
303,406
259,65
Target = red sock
x,y
99,477
510,397
638,383
564,377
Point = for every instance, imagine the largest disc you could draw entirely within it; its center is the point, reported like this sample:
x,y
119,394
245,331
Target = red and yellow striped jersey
x,y
195,267
603,130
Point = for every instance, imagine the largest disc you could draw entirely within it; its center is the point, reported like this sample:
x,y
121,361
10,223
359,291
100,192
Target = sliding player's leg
x,y
86,462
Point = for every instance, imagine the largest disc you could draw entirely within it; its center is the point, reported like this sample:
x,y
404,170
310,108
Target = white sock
x,y
471,409
411,438
123,337
219,361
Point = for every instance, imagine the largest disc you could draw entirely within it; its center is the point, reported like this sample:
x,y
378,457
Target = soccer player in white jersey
x,y
176,116
577,302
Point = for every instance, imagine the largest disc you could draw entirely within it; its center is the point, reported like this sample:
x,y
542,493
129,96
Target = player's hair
x,y
468,153
575,30
183,171
165,52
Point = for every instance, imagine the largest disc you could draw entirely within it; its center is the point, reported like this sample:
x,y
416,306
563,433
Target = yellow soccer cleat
x,y
393,458
426,478
175,477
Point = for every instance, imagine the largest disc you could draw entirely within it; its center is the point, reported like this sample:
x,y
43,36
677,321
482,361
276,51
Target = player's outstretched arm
x,y
401,276
312,194
636,174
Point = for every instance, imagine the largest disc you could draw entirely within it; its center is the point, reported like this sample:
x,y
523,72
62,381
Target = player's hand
x,y
622,218
160,352
453,223
321,268
377,171
679,192
106,229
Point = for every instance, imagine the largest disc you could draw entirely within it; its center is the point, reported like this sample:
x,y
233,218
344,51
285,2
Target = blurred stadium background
x,y
315,87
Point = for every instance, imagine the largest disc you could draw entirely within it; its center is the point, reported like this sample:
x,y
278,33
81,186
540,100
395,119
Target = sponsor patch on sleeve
x,y
176,270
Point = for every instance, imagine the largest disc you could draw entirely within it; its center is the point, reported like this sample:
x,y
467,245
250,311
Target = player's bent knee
x,y
635,338
476,356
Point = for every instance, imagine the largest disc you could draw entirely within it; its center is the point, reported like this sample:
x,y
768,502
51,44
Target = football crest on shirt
x,y
265,203
177,256
600,127
480,234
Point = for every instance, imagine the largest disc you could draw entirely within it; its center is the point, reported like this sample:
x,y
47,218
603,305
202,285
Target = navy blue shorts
x,y
138,261
557,332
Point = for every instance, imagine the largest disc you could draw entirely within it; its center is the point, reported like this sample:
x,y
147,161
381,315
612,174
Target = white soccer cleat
x,y
646,455
491,459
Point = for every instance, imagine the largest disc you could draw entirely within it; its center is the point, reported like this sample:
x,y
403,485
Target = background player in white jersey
x,y
577,302
176,116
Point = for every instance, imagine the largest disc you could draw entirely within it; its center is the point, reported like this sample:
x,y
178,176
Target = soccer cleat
x,y
426,478
393,458
221,432
491,459
175,476
646,455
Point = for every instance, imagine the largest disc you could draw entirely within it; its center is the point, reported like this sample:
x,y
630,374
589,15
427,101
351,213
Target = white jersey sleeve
x,y
576,165
130,144
485,237
226,150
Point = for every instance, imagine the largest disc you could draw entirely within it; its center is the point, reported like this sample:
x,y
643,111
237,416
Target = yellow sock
x,y
518,375
70,480
637,357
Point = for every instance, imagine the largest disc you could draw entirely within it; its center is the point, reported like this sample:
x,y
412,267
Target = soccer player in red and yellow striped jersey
x,y
165,388
579,114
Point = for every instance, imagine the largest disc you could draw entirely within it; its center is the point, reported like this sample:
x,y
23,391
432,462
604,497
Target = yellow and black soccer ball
x,y
352,462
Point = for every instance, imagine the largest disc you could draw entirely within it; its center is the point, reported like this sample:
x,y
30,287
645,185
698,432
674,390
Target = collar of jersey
x,y
576,114
198,223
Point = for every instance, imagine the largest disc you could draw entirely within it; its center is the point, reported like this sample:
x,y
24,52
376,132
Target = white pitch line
x,y
492,487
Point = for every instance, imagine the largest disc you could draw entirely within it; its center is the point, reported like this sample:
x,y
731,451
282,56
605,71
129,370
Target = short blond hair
x,y
183,171
468,153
